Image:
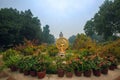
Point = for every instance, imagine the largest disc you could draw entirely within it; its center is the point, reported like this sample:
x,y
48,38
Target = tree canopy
x,y
106,22
15,26
82,41
47,37
72,39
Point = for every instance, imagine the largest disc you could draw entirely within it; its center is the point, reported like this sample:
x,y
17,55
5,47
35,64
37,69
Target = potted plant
x,y
51,65
33,62
96,65
69,70
113,61
26,65
40,66
87,68
12,62
20,65
104,67
78,66
11,58
60,67
96,70
41,70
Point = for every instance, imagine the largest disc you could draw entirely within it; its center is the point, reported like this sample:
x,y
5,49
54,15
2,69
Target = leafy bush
x,y
9,53
51,69
83,42
60,63
52,50
26,65
117,52
69,67
13,60
78,64
28,50
112,48
43,61
96,62
87,65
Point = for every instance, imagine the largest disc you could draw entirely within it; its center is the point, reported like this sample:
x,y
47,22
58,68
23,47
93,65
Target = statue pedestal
x,y
62,55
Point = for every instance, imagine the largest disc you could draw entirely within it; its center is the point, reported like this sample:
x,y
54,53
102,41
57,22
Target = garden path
x,y
113,75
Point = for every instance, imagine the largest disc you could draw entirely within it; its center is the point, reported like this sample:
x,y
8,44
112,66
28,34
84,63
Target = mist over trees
x,y
72,39
105,25
15,26
46,36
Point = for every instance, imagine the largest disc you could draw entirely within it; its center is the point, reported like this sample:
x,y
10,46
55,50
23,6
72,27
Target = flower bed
x,y
39,65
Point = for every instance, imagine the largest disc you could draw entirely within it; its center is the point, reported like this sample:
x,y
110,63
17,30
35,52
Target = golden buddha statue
x,y
62,43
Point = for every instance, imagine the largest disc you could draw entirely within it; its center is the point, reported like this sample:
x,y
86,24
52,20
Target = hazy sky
x,y
68,16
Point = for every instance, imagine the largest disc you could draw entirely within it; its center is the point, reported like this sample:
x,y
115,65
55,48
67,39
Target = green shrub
x,y
51,69
13,60
87,65
11,57
117,53
28,50
52,50
25,64
9,53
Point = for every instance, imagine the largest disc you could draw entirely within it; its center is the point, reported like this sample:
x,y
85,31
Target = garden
x,y
30,50
85,60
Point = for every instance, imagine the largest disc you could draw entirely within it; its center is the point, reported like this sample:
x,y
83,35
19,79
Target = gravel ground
x,y
112,75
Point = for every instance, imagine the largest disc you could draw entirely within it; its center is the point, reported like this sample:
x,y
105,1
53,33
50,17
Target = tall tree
x,y
45,33
103,20
51,39
89,28
116,20
106,22
82,41
46,36
16,25
31,26
72,39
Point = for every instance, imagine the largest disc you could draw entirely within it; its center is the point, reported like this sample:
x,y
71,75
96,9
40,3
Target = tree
x,y
81,41
116,20
46,36
103,20
106,21
72,39
89,28
45,33
16,25
51,39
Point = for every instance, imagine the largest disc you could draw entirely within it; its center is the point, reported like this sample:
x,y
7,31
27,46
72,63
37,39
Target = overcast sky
x,y
67,16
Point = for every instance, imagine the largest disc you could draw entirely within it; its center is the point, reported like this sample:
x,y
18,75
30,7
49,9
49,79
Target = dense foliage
x,y
105,25
72,39
46,36
16,25
83,42
84,60
87,55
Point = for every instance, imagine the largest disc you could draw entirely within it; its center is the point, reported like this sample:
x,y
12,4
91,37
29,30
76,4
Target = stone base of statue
x,y
62,55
